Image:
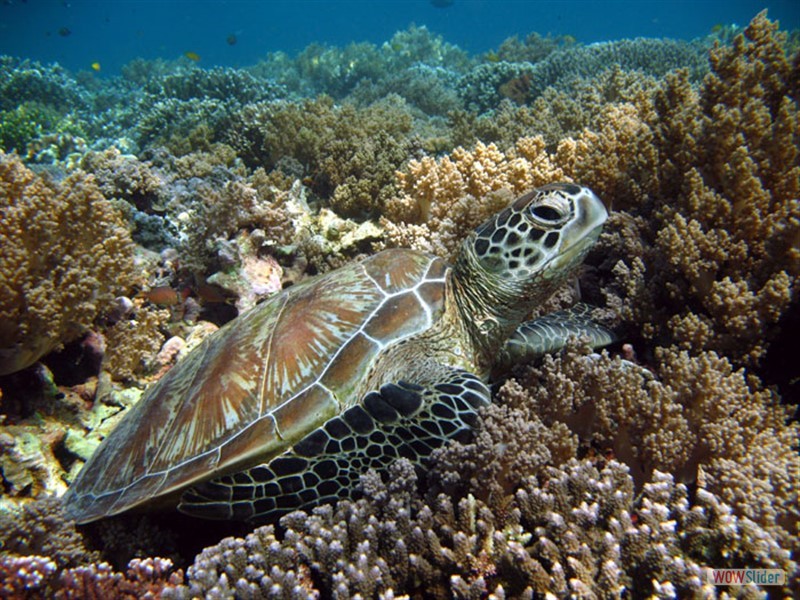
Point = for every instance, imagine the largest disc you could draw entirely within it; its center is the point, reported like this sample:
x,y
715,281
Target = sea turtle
x,y
287,405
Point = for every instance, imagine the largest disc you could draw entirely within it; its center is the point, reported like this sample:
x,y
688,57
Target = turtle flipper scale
x,y
401,420
550,333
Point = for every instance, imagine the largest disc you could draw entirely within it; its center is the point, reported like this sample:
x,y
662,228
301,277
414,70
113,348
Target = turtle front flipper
x,y
401,420
550,333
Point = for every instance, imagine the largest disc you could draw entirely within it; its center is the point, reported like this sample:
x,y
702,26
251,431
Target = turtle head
x,y
534,244
542,235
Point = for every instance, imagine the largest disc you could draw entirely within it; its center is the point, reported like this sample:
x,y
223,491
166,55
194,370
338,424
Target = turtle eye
x,y
546,213
550,213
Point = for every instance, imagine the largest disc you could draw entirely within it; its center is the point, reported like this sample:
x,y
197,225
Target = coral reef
x,y
694,417
440,201
348,155
556,114
124,177
39,528
576,530
47,299
23,81
590,475
720,199
709,177
338,72
38,576
481,88
133,341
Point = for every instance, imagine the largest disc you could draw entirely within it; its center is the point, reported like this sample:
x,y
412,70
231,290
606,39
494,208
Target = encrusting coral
x,y
66,254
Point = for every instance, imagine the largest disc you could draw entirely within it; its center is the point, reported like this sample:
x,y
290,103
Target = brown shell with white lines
x,y
262,382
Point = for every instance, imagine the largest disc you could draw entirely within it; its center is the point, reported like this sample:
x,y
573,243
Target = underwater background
x,y
166,166
237,33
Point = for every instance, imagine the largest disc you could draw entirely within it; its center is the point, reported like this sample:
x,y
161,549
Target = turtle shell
x,y
262,382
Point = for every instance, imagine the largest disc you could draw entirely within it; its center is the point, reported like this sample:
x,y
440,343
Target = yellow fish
x,y
95,66
192,56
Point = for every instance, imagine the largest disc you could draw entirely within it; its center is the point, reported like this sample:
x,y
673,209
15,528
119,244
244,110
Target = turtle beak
x,y
582,232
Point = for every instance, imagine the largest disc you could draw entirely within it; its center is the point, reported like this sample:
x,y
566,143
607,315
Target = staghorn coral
x,y
66,254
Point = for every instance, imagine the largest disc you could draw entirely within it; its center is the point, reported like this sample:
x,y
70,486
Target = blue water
x,y
77,33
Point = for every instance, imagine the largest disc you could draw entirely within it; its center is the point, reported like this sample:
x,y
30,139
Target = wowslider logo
x,y
745,576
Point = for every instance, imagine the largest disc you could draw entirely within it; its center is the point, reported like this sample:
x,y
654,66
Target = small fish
x,y
164,295
64,32
210,293
95,66
231,39
192,56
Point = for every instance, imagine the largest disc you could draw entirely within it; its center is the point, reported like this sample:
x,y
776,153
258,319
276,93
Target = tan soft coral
x,y
726,221
440,201
66,255
695,417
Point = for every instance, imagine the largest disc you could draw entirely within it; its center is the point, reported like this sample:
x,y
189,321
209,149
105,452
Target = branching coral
x,y
66,254
694,417
43,555
124,177
40,528
577,530
38,577
24,81
713,170
564,488
133,342
440,201
725,222
481,87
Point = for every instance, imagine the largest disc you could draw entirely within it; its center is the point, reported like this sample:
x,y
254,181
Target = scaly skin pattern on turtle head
x,y
514,261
